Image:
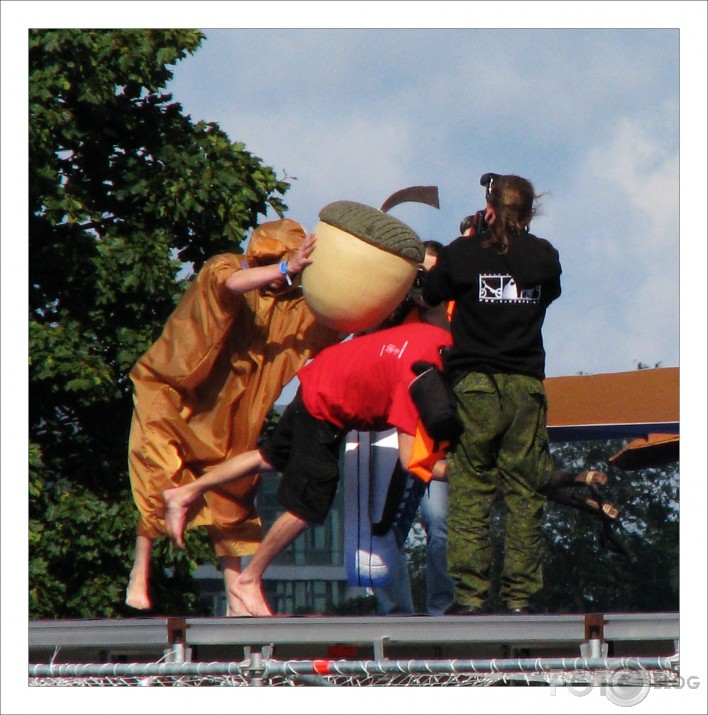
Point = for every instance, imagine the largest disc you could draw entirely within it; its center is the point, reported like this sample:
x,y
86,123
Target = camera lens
x,y
419,279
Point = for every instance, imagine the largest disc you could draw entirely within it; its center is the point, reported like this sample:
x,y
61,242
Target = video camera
x,y
487,180
418,281
476,220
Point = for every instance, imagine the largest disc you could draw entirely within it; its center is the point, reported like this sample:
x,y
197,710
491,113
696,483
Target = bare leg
x,y
178,500
137,594
249,585
592,505
231,568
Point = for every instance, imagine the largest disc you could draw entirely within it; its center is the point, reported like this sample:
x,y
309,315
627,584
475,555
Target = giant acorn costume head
x,y
364,263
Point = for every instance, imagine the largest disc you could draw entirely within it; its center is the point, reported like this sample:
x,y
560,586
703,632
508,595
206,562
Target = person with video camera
x,y
396,597
502,279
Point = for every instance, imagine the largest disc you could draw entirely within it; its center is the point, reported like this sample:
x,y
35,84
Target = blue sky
x,y
591,117
609,124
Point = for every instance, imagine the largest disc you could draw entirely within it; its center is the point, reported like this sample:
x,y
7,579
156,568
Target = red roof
x,y
620,404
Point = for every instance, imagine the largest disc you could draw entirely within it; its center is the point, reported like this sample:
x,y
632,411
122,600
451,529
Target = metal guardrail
x,y
378,631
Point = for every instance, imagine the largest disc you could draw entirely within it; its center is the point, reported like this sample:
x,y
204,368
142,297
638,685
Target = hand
x,y
301,259
439,471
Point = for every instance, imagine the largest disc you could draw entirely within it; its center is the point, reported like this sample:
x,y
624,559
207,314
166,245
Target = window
x,y
304,597
322,545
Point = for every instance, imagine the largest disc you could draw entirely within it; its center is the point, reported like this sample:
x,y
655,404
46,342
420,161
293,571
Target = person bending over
x,y
361,384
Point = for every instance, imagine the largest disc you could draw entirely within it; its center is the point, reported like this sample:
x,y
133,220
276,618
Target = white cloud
x,y
621,282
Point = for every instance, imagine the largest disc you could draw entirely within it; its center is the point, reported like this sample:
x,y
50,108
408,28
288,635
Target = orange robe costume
x,y
204,388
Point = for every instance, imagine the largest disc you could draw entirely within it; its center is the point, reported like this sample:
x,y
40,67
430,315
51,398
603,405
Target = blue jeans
x,y
395,598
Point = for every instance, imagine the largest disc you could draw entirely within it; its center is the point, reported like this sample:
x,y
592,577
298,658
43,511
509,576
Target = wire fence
x,y
257,671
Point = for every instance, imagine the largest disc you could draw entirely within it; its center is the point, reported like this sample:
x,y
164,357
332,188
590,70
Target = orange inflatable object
x,y
204,388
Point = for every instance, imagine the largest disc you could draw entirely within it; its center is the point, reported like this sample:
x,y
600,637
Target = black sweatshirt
x,y
500,303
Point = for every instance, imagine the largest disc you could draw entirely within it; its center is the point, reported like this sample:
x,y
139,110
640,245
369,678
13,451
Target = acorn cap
x,y
375,227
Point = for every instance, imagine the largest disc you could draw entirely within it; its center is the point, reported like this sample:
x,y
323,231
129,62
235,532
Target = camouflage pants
x,y
504,451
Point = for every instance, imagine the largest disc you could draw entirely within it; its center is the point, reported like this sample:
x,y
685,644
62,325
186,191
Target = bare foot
x,y
136,595
235,606
592,476
250,594
175,516
609,510
562,478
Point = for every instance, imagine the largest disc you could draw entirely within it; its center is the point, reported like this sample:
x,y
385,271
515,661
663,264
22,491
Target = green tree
x,y
584,572
126,194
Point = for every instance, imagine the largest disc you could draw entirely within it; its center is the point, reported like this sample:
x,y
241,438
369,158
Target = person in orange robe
x,y
204,389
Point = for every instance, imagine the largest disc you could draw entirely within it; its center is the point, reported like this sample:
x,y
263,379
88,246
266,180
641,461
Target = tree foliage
x,y
126,192
584,572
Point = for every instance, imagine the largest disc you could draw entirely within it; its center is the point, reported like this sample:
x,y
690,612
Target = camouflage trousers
x,y
503,453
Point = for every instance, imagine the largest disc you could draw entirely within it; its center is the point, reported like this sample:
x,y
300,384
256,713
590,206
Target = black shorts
x,y
306,450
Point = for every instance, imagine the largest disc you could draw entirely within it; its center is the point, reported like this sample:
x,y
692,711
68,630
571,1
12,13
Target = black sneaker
x,y
462,609
519,610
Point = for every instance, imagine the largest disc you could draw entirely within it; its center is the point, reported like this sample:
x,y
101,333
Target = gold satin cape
x,y
204,388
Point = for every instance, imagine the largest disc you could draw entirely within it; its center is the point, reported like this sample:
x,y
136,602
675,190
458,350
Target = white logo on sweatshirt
x,y
392,349
500,288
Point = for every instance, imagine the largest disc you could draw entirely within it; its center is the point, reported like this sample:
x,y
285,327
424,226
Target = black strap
x,y
396,489
434,398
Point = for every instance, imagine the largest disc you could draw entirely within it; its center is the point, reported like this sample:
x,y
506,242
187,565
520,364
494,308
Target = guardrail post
x,y
594,646
379,648
178,652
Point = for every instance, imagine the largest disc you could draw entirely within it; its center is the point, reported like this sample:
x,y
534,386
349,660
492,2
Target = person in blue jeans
x,y
396,598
